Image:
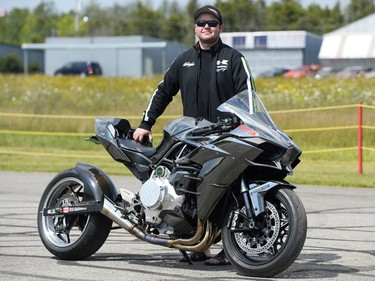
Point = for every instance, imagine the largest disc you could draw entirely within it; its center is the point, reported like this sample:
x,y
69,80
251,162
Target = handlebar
x,y
201,131
220,126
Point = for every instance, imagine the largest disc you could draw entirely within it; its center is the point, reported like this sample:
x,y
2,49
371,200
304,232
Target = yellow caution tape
x,y
91,156
52,154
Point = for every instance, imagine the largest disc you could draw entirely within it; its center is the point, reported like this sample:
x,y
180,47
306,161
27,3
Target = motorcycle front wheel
x,y
72,237
277,240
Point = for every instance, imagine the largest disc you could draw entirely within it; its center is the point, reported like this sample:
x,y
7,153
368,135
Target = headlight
x,y
289,157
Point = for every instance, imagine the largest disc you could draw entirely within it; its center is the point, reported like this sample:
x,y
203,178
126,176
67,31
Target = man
x,y
207,75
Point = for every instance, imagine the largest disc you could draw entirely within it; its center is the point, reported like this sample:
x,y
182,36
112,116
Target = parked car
x,y
370,73
278,71
325,71
303,71
82,68
352,71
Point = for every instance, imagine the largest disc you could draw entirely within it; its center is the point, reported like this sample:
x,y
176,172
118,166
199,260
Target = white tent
x,y
353,44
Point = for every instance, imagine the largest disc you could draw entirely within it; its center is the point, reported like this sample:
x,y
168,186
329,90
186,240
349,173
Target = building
x,y
134,56
268,50
36,57
140,55
351,45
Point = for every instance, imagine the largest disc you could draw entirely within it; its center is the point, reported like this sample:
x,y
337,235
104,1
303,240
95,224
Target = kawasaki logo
x,y
188,64
221,65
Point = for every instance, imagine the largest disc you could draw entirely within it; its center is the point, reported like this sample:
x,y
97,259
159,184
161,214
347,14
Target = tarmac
x,y
340,242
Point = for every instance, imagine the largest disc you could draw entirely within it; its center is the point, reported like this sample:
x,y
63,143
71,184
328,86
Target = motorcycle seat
x,y
144,148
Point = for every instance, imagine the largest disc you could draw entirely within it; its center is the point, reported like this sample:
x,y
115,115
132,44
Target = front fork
x,y
248,206
253,196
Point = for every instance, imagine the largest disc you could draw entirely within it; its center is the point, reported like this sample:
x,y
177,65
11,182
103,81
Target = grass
x,y
68,97
340,169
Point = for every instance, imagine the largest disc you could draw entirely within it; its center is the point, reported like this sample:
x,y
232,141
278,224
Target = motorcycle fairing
x,y
113,134
217,160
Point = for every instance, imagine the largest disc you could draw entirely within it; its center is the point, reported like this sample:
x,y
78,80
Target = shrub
x,y
34,67
11,63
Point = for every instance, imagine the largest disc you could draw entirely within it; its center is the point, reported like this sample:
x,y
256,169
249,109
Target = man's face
x,y
207,34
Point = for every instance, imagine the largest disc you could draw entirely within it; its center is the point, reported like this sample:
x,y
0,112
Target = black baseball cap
x,y
210,10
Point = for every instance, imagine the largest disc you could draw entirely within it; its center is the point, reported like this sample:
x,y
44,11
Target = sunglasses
x,y
211,23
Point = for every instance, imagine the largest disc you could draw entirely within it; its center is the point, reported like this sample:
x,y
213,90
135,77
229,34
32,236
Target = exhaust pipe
x,y
199,242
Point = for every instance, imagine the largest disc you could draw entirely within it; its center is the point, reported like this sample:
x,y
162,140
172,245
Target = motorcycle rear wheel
x,y
272,248
70,237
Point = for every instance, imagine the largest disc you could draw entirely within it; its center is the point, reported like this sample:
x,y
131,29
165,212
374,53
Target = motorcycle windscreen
x,y
247,105
250,109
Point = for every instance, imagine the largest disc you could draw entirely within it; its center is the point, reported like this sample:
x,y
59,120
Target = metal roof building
x,y
267,50
133,56
350,45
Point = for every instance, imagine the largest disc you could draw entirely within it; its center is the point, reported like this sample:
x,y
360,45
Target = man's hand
x,y
140,135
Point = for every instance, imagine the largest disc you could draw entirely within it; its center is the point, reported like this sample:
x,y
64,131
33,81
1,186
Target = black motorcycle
x,y
204,183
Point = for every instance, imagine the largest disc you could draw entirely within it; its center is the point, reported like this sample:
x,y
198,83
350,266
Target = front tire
x,y
275,245
70,237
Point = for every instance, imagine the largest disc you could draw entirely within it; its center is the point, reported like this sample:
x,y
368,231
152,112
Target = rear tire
x,y
272,248
70,237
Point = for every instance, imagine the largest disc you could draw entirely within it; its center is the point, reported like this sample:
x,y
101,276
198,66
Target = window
x,y
260,42
239,41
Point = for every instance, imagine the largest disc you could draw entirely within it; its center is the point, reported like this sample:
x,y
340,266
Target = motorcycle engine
x,y
157,195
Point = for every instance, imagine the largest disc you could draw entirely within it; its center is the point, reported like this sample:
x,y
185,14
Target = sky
x,y
68,5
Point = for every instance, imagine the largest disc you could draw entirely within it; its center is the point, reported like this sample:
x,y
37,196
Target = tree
x,y
145,21
358,9
333,19
11,26
313,19
173,22
117,24
96,20
174,29
284,15
261,15
238,16
40,24
65,25
191,7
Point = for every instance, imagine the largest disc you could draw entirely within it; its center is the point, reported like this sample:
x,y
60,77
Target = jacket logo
x,y
188,64
221,65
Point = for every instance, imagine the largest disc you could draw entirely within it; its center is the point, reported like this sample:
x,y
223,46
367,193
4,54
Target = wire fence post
x,y
360,139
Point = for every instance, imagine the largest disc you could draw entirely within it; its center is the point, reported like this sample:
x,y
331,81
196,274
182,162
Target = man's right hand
x,y
140,135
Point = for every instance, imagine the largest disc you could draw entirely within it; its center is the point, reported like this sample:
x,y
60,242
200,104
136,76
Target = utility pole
x,y
77,15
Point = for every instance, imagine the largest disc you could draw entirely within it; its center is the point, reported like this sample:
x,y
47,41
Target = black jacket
x,y
229,76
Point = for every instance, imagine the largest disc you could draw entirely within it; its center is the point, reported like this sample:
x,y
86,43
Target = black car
x,y
82,68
